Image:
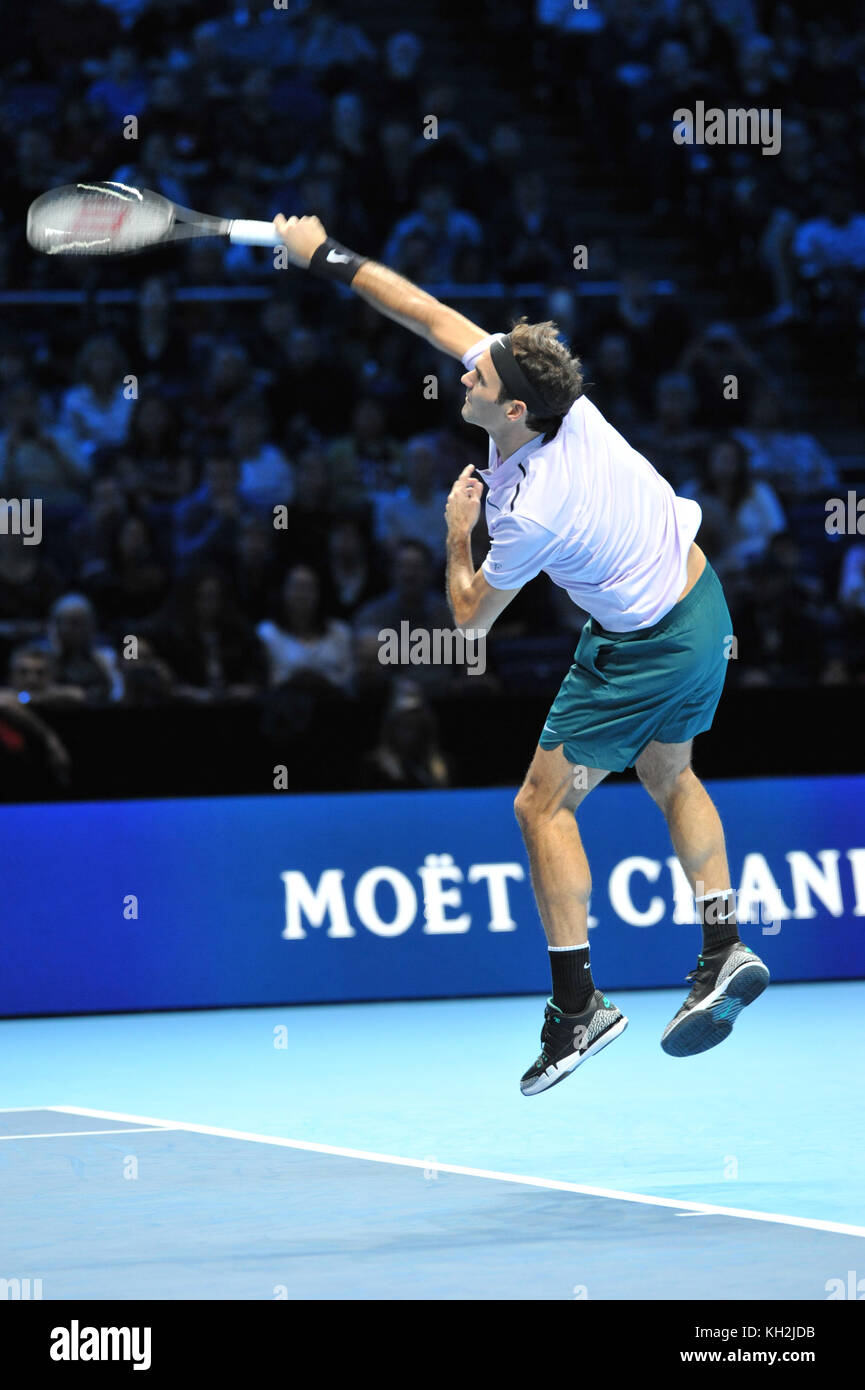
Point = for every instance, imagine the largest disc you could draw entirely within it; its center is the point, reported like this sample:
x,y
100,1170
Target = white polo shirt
x,y
593,514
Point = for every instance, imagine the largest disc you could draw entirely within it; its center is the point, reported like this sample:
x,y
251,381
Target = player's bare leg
x,y
695,826
561,880
579,1020
729,975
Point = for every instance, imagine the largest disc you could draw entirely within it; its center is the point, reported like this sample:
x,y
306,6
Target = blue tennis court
x,y
384,1152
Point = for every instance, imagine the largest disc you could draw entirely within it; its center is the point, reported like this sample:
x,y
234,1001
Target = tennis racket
x,y
114,219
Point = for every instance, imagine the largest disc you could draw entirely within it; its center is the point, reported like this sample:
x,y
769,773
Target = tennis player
x,y
569,496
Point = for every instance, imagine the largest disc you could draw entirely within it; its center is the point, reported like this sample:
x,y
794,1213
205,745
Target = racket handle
x,y
242,232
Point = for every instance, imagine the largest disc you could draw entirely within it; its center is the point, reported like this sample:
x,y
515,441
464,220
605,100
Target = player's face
x,y
483,384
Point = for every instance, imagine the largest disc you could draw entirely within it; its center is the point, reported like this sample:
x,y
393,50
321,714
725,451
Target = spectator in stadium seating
x,y
93,533
133,582
332,44
32,678
122,89
82,136
157,345
266,476
300,383
504,155
302,533
171,114
35,168
350,142
760,76
851,606
98,410
564,309
156,167
851,587
398,153
355,573
256,572
414,511
533,244
793,461
781,628
408,755
672,441
444,230
834,240
206,72
829,252
225,388
32,462
725,372
454,156
66,38
155,447
205,521
741,513
208,644
303,641
373,679
29,583
772,208
81,660
615,387
655,325
411,597
367,459
148,680
396,90
251,145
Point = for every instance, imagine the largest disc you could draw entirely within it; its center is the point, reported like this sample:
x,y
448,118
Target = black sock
x,y
573,985
718,917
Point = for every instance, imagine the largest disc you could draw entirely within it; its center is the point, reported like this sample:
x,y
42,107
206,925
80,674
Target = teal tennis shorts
x,y
626,689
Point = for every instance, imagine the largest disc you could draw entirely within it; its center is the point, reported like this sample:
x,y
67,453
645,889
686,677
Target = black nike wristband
x,y
334,262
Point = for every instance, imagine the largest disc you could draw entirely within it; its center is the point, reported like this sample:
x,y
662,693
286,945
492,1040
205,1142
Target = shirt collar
x,y
502,473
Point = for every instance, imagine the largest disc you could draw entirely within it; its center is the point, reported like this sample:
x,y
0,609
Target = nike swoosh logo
x,y
335,256
547,730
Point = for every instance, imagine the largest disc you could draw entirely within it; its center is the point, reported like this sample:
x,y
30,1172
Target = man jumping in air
x,y
568,495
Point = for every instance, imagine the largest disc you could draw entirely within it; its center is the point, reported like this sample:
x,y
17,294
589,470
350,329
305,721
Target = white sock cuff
x,y
722,893
583,947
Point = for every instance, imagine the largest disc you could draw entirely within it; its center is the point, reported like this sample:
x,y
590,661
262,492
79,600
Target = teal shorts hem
x,y
626,690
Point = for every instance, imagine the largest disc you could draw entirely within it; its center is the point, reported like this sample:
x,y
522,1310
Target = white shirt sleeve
x,y
519,549
474,352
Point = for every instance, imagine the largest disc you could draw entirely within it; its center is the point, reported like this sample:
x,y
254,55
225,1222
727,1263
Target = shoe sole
x,y
560,1071
712,1021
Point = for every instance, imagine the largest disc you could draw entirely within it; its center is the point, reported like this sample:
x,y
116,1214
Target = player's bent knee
x,y
530,809
524,808
663,784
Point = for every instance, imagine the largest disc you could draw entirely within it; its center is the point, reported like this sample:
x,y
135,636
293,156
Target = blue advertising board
x,y
295,899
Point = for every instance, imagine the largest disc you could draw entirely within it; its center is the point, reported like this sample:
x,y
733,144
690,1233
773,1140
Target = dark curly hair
x,y
549,366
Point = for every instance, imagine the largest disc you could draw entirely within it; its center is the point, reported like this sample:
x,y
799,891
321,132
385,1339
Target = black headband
x,y
515,380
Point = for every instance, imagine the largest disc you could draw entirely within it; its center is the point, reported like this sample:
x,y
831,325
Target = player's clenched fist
x,y
302,236
464,503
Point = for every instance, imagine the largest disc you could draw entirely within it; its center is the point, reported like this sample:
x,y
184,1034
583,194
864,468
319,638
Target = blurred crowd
x,y
239,496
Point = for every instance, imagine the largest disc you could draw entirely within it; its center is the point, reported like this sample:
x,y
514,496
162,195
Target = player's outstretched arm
x,y
397,298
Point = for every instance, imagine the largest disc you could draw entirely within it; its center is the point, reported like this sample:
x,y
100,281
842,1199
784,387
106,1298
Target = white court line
x,y
73,1133
554,1184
